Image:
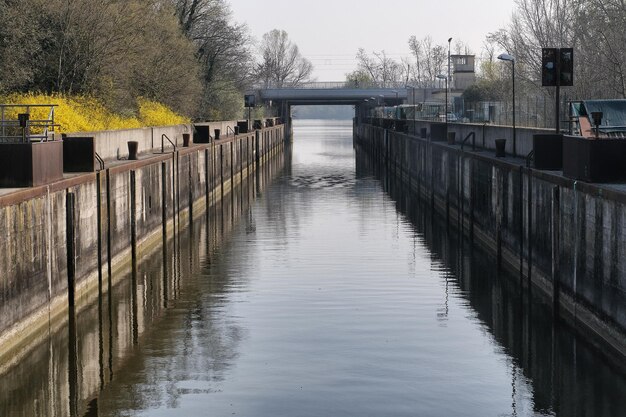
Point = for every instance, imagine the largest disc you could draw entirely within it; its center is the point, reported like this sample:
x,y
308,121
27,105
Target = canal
x,y
319,287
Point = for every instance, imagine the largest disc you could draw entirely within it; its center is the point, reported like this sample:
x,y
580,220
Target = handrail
x,y
231,129
484,126
100,161
164,136
530,157
10,128
51,118
470,135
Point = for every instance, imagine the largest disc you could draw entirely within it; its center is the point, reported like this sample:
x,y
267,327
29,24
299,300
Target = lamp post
x,y
511,59
448,80
443,77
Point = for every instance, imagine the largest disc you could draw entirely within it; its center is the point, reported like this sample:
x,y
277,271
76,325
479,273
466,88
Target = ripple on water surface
x,y
326,300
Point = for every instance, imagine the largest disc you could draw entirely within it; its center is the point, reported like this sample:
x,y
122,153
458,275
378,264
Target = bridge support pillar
x,y
286,116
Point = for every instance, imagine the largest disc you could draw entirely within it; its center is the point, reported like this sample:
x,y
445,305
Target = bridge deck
x,y
334,95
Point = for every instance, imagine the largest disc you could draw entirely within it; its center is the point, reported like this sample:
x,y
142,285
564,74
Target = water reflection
x,y
552,368
66,372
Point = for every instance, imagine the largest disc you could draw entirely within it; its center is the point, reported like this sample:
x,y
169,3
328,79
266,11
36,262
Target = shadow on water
x,y
569,376
155,298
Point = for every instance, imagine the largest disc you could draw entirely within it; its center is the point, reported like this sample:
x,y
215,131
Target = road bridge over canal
x,y
330,93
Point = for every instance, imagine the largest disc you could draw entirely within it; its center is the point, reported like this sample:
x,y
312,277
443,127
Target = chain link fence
x,y
537,111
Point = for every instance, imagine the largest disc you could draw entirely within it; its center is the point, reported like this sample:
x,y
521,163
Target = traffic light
x,y
557,66
249,100
566,67
548,67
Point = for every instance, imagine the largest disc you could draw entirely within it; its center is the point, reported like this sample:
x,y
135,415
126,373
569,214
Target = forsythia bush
x,y
86,114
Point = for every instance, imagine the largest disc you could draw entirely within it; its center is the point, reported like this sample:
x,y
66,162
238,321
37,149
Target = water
x,y
330,293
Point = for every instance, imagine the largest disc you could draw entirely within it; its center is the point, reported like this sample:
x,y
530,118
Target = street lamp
x,y
448,81
511,59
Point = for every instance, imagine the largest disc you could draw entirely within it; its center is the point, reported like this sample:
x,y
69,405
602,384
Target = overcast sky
x,y
329,32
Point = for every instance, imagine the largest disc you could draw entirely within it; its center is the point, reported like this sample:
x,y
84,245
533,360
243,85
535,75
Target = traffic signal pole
x,y
557,70
558,93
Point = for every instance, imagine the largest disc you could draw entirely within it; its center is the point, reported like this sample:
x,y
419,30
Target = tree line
x,y
594,28
427,60
190,55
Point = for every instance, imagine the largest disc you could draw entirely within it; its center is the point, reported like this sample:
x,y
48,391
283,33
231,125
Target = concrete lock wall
x,y
119,212
486,133
568,238
112,144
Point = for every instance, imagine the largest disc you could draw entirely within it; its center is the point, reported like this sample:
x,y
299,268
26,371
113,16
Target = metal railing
x,y
470,135
99,160
17,126
334,85
164,136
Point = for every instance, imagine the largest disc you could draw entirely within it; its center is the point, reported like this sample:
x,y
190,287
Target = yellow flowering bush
x,y
86,114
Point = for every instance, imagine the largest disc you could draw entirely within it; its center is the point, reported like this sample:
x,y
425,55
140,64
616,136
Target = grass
x,y
86,114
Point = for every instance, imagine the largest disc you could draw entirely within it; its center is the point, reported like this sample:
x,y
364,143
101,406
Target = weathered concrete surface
x,y
106,332
112,144
141,200
487,134
510,209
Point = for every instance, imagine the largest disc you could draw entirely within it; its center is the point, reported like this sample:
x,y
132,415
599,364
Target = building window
x,y
462,60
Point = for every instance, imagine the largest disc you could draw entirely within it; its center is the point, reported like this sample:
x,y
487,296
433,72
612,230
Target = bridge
x,y
331,93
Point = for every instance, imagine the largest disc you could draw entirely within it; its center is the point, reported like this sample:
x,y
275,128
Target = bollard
x,y
500,148
236,130
186,140
217,134
451,138
132,149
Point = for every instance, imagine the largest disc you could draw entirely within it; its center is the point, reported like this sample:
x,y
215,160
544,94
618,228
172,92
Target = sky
x,y
329,32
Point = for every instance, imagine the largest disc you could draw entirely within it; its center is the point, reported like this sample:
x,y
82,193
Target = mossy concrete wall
x,y
119,212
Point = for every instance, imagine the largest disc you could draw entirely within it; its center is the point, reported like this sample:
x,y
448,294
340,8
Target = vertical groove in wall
x,y
133,216
100,278
556,215
133,243
190,189
109,274
222,171
70,229
529,261
108,203
164,229
206,179
520,210
48,231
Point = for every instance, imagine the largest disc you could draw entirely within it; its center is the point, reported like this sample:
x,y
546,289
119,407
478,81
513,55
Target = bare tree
x,y
281,62
429,60
359,79
223,52
601,40
19,44
381,69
